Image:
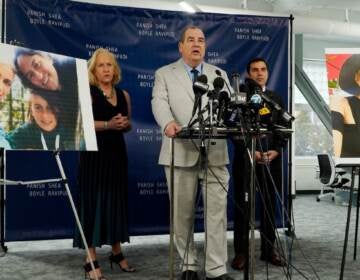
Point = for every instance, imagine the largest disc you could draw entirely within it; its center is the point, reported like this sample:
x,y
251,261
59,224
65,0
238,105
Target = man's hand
x,y
171,129
258,156
266,157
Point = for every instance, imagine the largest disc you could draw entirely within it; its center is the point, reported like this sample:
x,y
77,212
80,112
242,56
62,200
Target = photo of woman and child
x,y
49,115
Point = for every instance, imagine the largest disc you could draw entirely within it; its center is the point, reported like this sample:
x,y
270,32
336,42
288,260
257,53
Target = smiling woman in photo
x,y
43,130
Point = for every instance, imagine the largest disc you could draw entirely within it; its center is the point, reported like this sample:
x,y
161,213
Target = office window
x,y
311,136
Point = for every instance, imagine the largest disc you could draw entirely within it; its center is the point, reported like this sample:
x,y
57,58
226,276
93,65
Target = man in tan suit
x,y
172,104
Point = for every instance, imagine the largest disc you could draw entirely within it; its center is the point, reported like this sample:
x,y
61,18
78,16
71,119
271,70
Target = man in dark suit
x,y
268,154
172,103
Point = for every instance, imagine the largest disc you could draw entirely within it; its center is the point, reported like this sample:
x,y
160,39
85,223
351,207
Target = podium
x,y
216,133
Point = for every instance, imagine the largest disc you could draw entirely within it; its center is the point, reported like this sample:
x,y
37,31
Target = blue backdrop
x,y
142,40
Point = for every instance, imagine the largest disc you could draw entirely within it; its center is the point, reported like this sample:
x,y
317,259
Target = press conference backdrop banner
x,y
142,40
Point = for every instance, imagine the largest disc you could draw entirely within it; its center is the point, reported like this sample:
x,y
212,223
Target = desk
x,y
354,164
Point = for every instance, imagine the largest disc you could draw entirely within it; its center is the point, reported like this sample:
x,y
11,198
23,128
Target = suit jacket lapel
x,y
183,77
207,71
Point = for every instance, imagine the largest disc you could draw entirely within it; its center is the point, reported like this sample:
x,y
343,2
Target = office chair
x,y
330,177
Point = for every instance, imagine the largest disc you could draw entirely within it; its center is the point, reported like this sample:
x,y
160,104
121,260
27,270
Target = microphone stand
x,y
250,199
212,106
64,181
245,126
200,119
250,194
211,102
252,207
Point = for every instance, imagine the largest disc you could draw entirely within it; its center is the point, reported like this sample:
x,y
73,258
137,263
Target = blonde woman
x,y
103,174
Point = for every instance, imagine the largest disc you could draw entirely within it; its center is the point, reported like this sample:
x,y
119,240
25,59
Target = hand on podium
x,y
172,128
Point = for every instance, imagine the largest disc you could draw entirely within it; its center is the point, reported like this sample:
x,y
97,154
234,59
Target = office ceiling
x,y
340,10
334,10
324,18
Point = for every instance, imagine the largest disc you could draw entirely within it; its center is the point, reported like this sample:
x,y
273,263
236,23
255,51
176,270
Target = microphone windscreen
x,y
235,74
218,83
255,99
202,78
243,88
224,96
251,83
253,86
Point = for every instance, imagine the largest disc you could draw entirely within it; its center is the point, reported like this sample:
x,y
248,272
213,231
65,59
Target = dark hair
x,y
347,74
51,98
182,35
25,52
253,60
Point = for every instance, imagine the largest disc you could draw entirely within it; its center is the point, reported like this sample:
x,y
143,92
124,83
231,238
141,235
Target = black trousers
x,y
266,197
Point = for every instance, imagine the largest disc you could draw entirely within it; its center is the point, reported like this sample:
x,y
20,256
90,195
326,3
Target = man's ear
x,y
180,47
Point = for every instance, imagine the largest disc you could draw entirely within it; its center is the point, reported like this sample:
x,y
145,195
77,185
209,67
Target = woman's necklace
x,y
111,95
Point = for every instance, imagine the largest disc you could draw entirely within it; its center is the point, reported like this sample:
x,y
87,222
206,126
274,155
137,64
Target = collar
x,y
189,68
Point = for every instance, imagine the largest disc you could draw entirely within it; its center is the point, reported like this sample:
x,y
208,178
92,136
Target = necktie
x,y
195,74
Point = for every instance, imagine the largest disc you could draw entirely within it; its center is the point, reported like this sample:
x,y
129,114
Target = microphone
x,y
213,95
286,116
255,100
223,103
240,92
260,108
218,72
255,87
271,102
218,84
243,94
200,87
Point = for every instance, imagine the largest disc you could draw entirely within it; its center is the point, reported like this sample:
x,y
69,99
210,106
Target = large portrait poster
x,y
40,104
343,66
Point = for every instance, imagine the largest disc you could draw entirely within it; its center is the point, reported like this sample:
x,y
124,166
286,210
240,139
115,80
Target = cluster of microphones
x,y
229,106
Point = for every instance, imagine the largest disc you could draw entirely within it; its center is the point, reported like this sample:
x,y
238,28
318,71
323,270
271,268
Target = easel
x,y
3,248
62,180
355,171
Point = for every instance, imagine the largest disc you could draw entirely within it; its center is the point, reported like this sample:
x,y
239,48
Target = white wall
x,y
314,47
305,174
